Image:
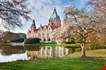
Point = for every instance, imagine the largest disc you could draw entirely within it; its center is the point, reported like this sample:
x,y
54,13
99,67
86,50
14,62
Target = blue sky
x,y
42,10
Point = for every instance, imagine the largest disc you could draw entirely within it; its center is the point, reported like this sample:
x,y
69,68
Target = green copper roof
x,y
33,26
54,16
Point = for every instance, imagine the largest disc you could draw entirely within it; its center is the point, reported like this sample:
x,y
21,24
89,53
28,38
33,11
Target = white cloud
x,y
42,10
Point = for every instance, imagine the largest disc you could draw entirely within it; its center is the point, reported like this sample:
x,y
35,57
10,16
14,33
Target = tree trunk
x,y
83,50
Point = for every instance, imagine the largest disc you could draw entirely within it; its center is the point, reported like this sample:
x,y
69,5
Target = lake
x,y
8,54
11,53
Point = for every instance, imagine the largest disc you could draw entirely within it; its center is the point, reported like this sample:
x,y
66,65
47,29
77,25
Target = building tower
x,y
55,19
33,26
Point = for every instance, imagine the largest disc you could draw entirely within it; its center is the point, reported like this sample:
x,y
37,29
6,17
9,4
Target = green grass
x,y
55,64
98,53
54,44
66,63
42,44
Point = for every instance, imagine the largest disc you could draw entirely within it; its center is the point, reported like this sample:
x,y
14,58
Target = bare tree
x,y
11,12
86,24
99,4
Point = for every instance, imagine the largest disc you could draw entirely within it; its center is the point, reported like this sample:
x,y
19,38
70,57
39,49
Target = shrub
x,y
18,40
32,41
73,47
97,46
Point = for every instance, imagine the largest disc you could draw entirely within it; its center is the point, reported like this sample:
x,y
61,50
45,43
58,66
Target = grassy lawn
x,y
99,53
73,61
53,45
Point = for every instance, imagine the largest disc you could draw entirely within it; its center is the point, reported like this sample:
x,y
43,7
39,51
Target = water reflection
x,y
13,57
8,50
12,53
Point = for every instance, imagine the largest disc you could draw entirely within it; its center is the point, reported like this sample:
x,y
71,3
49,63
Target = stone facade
x,y
54,30
46,32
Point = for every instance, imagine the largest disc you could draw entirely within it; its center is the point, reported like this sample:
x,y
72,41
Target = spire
x,y
33,26
54,15
55,18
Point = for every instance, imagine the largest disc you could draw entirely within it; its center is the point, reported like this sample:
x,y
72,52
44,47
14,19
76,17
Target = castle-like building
x,y
46,32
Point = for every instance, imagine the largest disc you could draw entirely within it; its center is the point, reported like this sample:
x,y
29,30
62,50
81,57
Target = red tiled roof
x,y
52,25
34,30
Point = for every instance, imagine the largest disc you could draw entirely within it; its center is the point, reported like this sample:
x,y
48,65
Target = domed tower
x,y
55,19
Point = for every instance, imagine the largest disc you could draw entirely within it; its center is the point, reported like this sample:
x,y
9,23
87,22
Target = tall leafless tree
x,y
11,12
85,23
98,4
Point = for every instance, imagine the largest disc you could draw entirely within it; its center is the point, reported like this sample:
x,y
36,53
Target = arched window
x,y
44,39
49,39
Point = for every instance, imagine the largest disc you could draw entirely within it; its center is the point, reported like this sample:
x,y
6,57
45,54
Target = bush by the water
x,y
98,46
18,40
32,41
73,47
